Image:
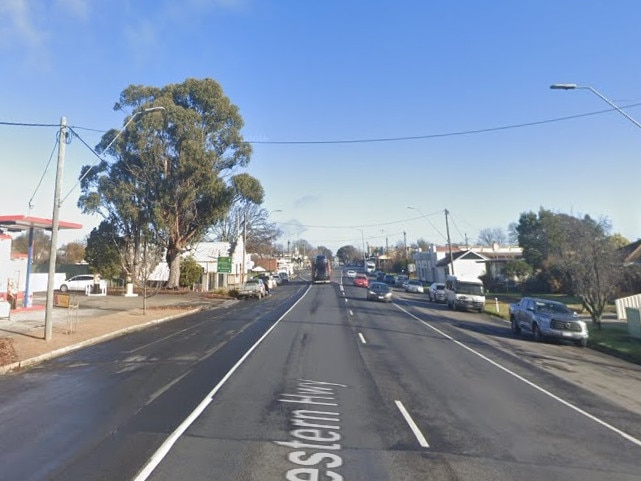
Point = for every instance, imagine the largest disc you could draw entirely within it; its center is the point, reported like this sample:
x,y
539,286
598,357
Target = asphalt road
x,y
315,383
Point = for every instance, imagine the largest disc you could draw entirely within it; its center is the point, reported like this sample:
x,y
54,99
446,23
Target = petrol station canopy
x,y
16,223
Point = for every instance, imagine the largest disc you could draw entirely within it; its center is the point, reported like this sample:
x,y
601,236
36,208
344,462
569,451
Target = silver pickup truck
x,y
548,319
252,288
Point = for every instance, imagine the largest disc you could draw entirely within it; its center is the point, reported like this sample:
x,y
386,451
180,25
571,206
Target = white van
x,y
464,293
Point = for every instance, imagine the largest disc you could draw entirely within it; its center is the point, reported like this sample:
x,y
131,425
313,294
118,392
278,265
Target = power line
x,y
435,136
379,139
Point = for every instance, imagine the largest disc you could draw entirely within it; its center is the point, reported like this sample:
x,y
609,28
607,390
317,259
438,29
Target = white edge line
x,y
362,338
408,419
166,446
623,434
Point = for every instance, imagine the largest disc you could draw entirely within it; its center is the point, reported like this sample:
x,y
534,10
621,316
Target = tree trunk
x,y
173,261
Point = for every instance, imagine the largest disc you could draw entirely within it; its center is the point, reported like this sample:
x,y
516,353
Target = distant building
x,y
435,264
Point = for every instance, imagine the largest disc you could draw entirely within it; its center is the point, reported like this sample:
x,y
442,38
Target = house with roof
x,y
211,256
474,261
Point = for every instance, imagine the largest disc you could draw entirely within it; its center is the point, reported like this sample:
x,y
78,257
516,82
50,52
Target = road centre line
x,y
166,446
362,338
408,419
351,313
621,433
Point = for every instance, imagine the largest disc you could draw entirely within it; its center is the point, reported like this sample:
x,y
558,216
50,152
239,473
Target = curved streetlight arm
x,y
131,119
598,94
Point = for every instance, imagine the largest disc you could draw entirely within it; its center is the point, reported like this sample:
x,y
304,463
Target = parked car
x,y
414,285
351,274
380,276
252,288
548,319
78,283
401,280
436,292
361,280
390,279
379,291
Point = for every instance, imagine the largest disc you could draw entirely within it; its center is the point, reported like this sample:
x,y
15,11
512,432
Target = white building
x,y
435,264
206,254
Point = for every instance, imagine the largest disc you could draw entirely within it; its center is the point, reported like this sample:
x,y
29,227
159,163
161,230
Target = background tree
x,y
591,260
41,245
324,251
173,175
518,269
104,251
491,235
71,253
534,236
348,254
423,245
260,235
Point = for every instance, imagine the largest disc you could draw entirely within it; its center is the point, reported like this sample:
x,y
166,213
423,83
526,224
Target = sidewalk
x,y
96,319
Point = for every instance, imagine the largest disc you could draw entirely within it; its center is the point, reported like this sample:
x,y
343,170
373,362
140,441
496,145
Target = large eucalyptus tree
x,y
172,173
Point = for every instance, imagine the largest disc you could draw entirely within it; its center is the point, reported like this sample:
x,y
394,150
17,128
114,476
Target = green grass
x,y
612,338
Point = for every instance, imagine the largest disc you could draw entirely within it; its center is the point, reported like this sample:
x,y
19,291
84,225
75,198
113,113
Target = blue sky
x,y
337,79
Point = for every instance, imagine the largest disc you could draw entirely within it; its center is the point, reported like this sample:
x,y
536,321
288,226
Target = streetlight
x,y
55,218
598,94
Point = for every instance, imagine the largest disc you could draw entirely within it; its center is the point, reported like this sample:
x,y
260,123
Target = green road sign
x,y
224,264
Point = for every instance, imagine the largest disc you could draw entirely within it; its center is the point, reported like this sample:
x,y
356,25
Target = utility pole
x,y
449,242
55,224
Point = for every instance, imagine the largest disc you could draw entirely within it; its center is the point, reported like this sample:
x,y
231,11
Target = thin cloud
x,y
306,201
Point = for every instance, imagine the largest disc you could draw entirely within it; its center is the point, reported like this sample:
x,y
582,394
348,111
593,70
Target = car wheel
x,y
516,329
64,288
582,343
536,332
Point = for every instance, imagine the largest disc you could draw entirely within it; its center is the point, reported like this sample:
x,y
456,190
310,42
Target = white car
x,y
78,283
351,274
414,285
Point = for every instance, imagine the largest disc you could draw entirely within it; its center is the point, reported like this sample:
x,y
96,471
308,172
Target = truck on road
x,y
548,319
321,269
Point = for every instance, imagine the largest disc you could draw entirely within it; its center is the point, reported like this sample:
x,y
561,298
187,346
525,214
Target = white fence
x,y
630,301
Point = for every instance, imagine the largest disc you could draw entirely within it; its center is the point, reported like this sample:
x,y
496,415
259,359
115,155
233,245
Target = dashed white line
x,y
351,313
577,409
362,338
408,419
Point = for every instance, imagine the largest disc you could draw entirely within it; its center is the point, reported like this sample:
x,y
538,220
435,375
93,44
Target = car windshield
x,y
469,288
552,308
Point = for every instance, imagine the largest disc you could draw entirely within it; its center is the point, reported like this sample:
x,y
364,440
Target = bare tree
x,y
490,236
260,234
591,261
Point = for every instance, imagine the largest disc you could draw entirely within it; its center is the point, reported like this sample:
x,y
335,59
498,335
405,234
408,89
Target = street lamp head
x,y
563,86
153,109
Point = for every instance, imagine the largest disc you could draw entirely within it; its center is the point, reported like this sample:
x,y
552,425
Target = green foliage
x,y
103,251
517,269
190,272
348,254
173,177
41,245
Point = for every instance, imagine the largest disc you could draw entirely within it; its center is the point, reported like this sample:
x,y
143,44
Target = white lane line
x,y
408,419
362,338
623,434
165,447
351,313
